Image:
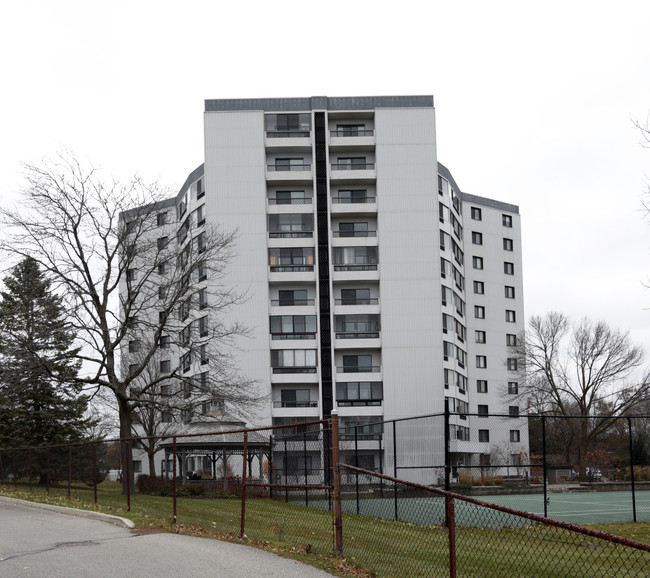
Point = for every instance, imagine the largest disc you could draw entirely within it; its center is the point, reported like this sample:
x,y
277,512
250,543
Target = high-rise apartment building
x,y
374,285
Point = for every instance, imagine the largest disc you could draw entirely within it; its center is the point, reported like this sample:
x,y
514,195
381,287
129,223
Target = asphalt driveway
x,y
35,541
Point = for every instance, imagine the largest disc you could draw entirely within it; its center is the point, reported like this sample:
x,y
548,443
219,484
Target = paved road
x,y
46,543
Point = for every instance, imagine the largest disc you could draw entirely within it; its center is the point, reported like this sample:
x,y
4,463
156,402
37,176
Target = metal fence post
x,y
128,477
451,529
447,448
395,465
304,455
356,463
48,471
243,485
338,517
95,471
174,480
69,470
30,469
271,466
544,466
286,471
629,428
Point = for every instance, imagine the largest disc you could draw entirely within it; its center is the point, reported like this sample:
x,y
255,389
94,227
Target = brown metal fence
x,y
387,524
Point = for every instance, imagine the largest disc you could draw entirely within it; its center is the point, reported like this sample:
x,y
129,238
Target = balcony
x,y
294,369
352,133
292,201
358,368
358,301
280,168
292,303
291,268
289,172
295,404
283,336
349,234
291,234
355,267
353,166
357,335
287,133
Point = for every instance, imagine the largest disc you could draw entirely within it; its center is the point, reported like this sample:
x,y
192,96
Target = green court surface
x,y
573,507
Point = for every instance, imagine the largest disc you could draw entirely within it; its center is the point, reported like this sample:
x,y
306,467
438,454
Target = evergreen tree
x,y
39,403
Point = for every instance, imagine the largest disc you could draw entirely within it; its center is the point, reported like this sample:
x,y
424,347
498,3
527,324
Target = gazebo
x,y
216,440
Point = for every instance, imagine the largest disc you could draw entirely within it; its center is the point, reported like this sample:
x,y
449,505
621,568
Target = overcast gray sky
x,y
534,105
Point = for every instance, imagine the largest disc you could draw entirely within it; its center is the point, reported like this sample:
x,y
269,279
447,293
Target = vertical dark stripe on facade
x,y
323,262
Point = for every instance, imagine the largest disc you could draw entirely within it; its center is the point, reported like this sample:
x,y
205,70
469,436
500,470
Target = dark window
x,y
507,245
508,268
513,387
479,336
481,361
484,435
483,410
477,238
479,287
511,316
513,411
477,214
479,312
481,386
507,221
477,262
514,435
511,340
161,219
165,366
509,292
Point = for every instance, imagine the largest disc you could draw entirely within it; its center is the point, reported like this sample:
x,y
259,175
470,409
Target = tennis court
x,y
574,507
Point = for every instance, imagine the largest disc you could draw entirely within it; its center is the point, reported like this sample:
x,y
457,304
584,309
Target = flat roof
x,y
319,103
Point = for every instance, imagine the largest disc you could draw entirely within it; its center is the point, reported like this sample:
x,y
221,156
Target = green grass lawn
x,y
379,547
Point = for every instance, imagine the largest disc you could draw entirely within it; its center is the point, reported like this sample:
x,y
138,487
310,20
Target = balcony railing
x,y
305,201
295,404
359,301
282,168
290,268
292,303
359,402
290,234
357,334
293,336
353,167
353,200
305,369
353,133
286,133
354,233
358,369
350,267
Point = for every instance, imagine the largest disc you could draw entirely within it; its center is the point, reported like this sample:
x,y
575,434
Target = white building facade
x,y
374,285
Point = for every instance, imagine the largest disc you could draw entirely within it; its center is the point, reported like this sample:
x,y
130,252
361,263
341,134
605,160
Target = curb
x,y
116,520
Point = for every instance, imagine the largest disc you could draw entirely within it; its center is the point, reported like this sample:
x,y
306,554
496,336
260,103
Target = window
x,y
185,334
162,317
445,268
290,198
477,262
481,386
201,272
477,214
450,375
198,216
507,244
483,410
481,361
446,295
184,309
203,354
508,268
447,323
351,163
293,326
479,311
354,196
479,287
355,297
511,340
166,416
162,292
137,466
292,257
196,190
511,316
458,432
293,360
186,361
350,130
448,350
163,268
459,280
477,238
359,393
290,225
513,411
509,292
357,363
161,219
162,243
134,346
202,326
200,244
484,435
291,164
131,274
288,124
164,342
294,398
479,336
354,230
355,256
514,435
513,388
445,240
165,366
292,297
506,220
511,363
460,330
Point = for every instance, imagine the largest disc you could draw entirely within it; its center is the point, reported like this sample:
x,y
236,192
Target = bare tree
x,y
135,283
586,369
